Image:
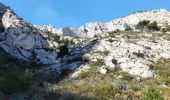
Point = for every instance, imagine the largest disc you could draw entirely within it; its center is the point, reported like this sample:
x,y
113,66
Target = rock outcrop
x,y
22,40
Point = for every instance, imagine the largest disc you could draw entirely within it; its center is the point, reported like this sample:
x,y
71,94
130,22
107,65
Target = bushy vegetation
x,y
152,94
16,82
162,69
105,91
62,42
147,25
113,33
138,54
165,29
97,63
63,50
90,84
153,26
142,25
103,53
127,77
53,37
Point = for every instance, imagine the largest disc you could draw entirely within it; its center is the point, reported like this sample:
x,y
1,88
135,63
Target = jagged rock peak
x,y
47,28
90,29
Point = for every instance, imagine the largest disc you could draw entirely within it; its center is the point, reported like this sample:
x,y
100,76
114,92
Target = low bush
x,y
142,25
113,33
162,69
63,50
97,63
138,54
135,87
153,26
104,91
16,82
152,94
127,76
164,30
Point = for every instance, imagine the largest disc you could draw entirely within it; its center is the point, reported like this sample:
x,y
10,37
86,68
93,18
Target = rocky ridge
x,y
161,16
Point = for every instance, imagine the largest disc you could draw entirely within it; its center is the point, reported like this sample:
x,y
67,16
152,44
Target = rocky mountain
x,y
161,16
96,58
43,44
31,44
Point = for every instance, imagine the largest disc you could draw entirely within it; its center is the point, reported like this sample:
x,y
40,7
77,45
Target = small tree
x,y
63,50
142,25
153,26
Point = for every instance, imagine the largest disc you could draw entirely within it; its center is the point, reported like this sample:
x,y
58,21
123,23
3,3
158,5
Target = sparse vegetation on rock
x,y
88,63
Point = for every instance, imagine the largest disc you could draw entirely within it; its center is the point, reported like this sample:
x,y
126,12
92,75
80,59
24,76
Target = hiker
x,y
123,87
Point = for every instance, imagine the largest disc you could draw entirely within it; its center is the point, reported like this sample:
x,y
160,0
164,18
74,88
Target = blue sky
x,y
76,13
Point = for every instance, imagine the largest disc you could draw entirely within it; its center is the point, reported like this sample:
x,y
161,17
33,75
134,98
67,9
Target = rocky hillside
x,y
93,54
44,44
31,44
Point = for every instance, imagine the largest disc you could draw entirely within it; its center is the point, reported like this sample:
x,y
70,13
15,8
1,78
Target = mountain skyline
x,y
63,13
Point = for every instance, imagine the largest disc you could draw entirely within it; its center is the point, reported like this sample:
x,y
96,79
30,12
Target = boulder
x,y
103,71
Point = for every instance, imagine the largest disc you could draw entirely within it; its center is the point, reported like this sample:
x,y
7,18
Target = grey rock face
x,y
22,40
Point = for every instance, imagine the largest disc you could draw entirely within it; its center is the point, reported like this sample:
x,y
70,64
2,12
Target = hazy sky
x,y
76,13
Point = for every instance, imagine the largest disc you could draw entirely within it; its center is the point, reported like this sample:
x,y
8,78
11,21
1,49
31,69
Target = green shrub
x,y
138,54
127,76
142,25
104,91
168,28
152,94
53,37
114,61
106,53
16,82
164,30
162,69
97,63
110,40
135,87
63,50
153,26
117,30
85,74
96,36
68,42
113,33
